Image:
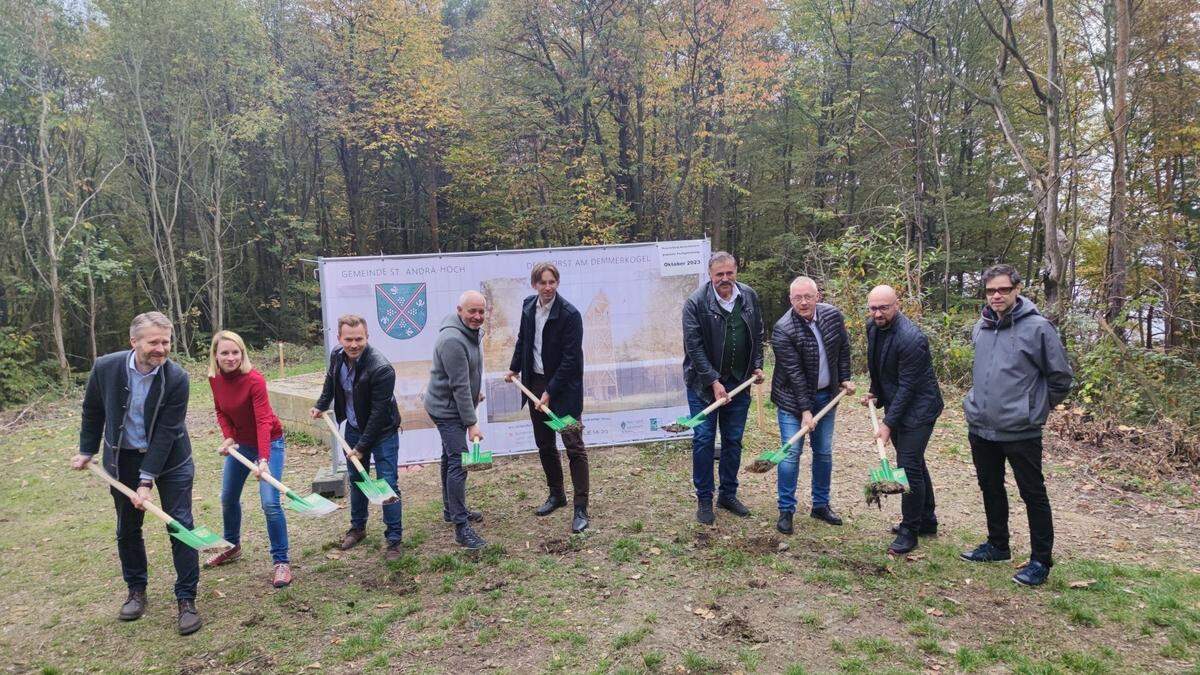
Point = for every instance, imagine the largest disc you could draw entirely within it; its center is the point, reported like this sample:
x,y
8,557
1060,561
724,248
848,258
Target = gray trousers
x,y
454,476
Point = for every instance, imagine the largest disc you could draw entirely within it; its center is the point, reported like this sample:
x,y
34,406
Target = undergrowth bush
x,y
20,374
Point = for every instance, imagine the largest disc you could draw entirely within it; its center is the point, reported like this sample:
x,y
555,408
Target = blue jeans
x,y
731,419
233,479
386,454
822,461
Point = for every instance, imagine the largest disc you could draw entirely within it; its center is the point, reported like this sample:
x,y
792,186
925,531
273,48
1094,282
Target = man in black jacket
x,y
722,341
549,360
135,408
812,361
903,382
360,382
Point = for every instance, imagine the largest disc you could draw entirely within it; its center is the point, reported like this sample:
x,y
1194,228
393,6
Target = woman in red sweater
x,y
252,429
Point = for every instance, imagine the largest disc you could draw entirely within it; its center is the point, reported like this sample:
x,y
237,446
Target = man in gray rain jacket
x,y
1020,373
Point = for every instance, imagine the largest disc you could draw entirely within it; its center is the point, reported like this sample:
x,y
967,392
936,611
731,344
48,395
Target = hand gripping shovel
x,y
199,538
375,489
312,505
684,423
476,459
566,423
884,480
770,459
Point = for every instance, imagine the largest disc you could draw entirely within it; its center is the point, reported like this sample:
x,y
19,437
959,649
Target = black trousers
x,y
174,490
1025,457
454,476
917,505
577,458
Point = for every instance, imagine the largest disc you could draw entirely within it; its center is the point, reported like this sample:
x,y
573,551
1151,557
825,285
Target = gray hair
x,y
721,257
1002,270
145,319
804,280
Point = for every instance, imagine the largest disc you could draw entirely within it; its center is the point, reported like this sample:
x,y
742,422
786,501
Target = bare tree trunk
x,y
1117,263
51,234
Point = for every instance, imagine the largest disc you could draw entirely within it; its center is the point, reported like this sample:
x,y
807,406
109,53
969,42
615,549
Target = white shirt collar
x,y
726,304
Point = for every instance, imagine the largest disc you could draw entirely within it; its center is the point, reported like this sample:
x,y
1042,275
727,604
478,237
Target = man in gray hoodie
x,y
1020,373
450,399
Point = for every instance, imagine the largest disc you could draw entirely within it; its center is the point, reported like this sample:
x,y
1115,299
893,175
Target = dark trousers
x,y
1025,457
731,420
917,505
545,437
174,490
454,476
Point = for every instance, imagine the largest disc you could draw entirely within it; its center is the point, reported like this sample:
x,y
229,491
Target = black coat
x,y
796,357
902,377
704,338
562,354
107,398
374,395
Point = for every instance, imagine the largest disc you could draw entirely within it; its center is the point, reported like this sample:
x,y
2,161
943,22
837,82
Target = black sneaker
x,y
732,505
467,538
1032,574
704,513
826,514
906,540
784,524
985,552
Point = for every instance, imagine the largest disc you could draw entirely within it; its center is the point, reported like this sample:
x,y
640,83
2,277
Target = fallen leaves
x,y
1081,583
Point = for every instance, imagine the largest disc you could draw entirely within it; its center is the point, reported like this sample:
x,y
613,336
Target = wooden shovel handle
x,y
346,449
817,418
266,475
537,401
150,506
728,396
875,426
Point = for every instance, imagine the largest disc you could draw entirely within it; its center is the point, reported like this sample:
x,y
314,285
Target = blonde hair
x,y
236,339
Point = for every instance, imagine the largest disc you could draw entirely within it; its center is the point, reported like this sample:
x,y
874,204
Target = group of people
x,y
135,408
1020,373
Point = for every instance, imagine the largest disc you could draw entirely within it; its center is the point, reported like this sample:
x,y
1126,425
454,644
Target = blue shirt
x,y
134,432
346,380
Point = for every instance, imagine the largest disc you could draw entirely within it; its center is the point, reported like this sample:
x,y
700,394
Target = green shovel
x,y
375,489
770,459
476,459
884,480
559,424
684,423
199,538
312,505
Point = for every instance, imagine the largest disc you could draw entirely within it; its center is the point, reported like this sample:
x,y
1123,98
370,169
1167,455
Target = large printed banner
x,y
631,297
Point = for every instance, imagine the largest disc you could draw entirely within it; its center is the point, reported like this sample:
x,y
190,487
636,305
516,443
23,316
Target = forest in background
x,y
195,156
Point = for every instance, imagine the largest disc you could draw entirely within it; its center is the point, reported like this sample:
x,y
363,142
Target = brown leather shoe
x,y
394,551
189,617
352,538
283,575
134,607
226,556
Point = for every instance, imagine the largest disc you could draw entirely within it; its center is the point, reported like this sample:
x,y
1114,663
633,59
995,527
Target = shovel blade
x,y
377,491
477,458
200,538
559,423
901,477
312,505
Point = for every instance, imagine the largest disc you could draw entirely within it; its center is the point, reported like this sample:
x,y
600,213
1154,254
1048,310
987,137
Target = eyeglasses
x,y
874,309
803,298
999,290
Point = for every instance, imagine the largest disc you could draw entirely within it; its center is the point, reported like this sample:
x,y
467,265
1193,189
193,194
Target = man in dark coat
x,y
903,383
722,340
549,360
360,383
135,407
812,363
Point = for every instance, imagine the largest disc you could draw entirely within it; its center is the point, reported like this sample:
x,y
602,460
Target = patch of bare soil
x,y
736,626
761,544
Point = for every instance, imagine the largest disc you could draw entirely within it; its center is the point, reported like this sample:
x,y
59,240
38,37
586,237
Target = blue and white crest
x,y
402,309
